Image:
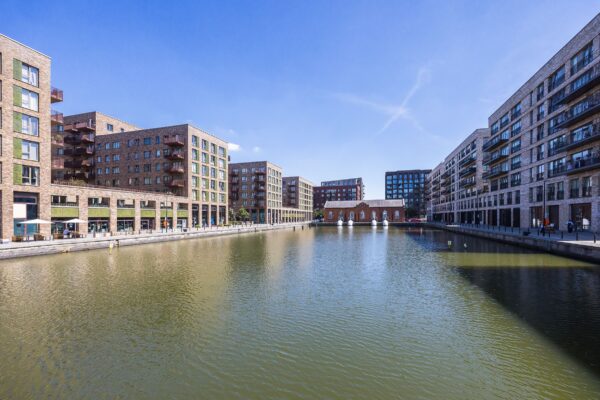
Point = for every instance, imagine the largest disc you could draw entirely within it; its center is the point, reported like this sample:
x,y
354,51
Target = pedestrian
x,y
570,226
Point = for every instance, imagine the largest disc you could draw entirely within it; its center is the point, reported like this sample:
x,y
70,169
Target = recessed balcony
x,y
587,107
467,171
585,137
58,163
467,160
583,164
56,95
591,78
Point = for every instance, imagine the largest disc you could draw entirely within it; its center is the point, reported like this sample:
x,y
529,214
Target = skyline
x,y
378,85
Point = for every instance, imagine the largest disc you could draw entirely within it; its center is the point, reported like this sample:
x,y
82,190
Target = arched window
x,y
341,216
330,215
384,215
362,215
373,215
351,215
397,215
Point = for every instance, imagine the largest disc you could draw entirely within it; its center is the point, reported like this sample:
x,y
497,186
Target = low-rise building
x,y
364,211
341,189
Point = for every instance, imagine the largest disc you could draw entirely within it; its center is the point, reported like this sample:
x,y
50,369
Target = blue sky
x,y
325,89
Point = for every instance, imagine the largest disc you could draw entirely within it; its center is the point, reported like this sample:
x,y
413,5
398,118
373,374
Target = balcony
x,y
76,164
587,136
259,188
80,151
81,126
56,118
583,164
491,159
587,107
176,155
467,160
468,171
585,82
57,140
260,172
79,175
465,183
495,172
446,173
56,95
176,183
559,147
176,169
175,141
493,143
58,163
559,170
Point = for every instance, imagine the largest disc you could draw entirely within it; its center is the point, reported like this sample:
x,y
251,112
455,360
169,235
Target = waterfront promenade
x,y
35,248
581,244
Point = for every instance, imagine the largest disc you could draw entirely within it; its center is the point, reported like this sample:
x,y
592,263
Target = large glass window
x,y
29,74
30,175
30,150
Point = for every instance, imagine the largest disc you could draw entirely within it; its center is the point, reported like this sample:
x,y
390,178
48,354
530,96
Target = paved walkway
x,y
583,238
29,248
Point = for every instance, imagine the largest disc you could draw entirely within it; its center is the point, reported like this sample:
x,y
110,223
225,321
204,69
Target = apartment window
x,y
560,190
26,124
107,146
540,152
107,170
195,168
116,170
574,188
116,145
556,79
157,140
204,145
147,167
107,158
541,111
30,150
586,186
110,127
147,181
515,179
157,166
99,171
515,162
25,98
147,154
25,73
147,141
116,157
30,175
504,120
157,153
194,154
158,179
515,145
516,111
581,59
540,92
194,140
221,151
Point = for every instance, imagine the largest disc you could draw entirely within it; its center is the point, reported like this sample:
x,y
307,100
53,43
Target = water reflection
x,y
322,313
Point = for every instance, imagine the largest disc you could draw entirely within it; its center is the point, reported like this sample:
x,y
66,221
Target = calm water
x,y
324,313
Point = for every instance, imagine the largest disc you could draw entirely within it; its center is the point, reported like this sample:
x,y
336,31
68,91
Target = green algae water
x,y
324,313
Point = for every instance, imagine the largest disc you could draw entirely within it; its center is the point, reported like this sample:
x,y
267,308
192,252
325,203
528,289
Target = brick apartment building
x,y
454,185
25,121
260,188
40,145
541,162
341,189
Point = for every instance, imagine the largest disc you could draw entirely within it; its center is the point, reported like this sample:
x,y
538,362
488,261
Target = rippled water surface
x,y
327,313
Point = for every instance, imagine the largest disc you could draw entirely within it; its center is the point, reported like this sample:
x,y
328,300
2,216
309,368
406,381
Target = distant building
x,y
410,186
364,211
342,189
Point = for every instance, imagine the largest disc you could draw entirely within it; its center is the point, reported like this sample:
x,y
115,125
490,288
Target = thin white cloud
x,y
394,112
256,149
234,147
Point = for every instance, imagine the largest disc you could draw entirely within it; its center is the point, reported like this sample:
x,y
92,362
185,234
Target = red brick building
x,y
364,211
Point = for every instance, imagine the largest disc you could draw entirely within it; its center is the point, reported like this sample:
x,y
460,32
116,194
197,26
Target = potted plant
x,y
38,236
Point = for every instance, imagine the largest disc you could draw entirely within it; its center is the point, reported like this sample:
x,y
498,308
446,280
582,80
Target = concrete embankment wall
x,y
71,245
581,251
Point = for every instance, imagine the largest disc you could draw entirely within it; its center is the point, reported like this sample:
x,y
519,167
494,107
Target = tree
x,y
411,212
318,214
243,214
231,215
